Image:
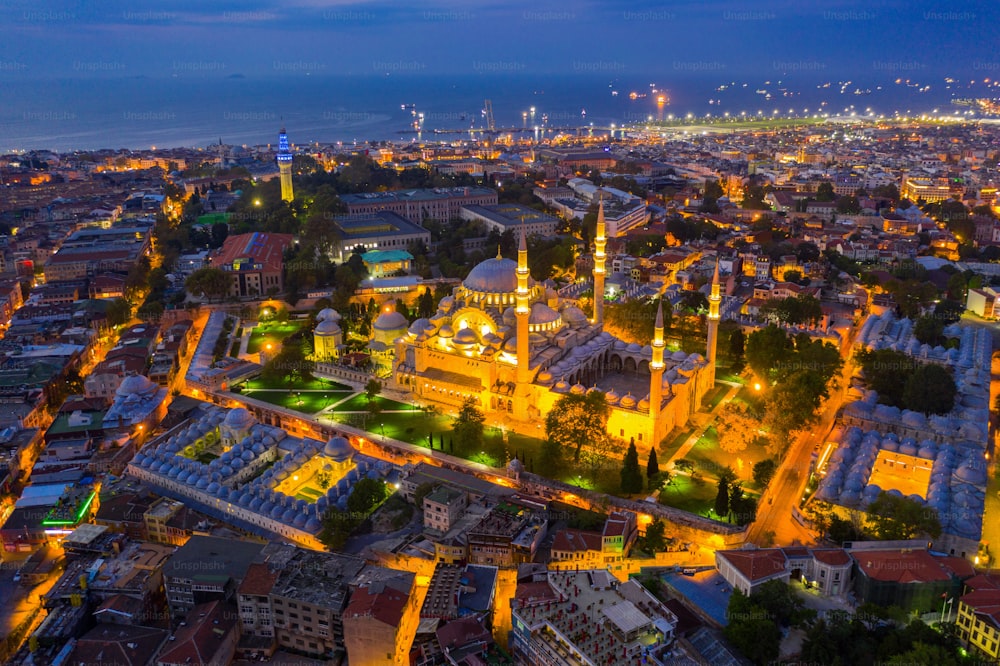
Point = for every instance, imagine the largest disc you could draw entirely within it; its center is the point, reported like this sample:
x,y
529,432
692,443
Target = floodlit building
x,y
517,347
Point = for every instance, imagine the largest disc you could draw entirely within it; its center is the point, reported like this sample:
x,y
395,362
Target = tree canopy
x,y
577,421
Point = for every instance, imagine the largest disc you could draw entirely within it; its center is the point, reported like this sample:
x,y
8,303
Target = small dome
x,y
391,321
339,449
643,405
238,419
327,327
544,377
611,397
515,466
465,337
577,389
419,326
628,402
137,385
446,331
328,314
561,386
574,315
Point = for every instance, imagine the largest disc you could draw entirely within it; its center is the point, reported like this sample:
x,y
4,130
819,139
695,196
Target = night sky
x,y
306,37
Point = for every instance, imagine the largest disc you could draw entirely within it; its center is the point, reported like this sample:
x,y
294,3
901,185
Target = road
x,y
774,512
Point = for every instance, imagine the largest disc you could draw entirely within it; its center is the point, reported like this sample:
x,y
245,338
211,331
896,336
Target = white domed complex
x,y
339,450
235,427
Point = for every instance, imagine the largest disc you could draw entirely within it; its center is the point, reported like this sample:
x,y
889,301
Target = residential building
x,y
442,507
254,262
206,569
381,621
377,230
208,636
978,619
551,609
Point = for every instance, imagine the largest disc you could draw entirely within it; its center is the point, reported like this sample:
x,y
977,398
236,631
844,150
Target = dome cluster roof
x,y
493,276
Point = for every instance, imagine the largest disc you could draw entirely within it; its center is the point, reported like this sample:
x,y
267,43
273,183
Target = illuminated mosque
x,y
517,347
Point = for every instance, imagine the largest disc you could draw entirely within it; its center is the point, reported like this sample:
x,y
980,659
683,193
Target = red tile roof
x,y
199,641
904,566
386,606
756,565
258,580
985,604
575,541
832,556
263,248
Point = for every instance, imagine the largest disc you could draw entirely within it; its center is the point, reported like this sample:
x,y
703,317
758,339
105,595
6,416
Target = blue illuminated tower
x,y
285,166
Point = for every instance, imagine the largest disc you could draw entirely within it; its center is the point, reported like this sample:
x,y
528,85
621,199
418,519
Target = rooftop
x,y
320,579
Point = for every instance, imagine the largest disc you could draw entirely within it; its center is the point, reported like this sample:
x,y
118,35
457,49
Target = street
x,y
774,513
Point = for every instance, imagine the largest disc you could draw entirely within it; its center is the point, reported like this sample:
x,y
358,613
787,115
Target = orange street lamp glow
x,y
756,386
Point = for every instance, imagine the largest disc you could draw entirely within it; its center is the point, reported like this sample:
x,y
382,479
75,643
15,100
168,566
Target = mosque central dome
x,y
493,276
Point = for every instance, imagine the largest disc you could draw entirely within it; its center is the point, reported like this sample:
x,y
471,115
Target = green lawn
x,y
709,459
314,384
684,494
714,397
306,402
359,403
273,332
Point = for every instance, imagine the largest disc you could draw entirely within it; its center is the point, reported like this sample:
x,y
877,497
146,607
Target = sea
x,y
143,112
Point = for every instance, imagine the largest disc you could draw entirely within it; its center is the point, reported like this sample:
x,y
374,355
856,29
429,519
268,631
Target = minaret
x,y
713,324
285,166
656,366
522,312
599,243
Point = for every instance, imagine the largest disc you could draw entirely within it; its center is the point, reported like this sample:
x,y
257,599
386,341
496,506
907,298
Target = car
x,y
689,571
17,577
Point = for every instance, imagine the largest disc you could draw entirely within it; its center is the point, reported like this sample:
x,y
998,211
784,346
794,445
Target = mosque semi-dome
x,y
493,276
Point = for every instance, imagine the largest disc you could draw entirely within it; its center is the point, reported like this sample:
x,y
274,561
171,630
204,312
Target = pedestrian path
x,y
707,421
245,340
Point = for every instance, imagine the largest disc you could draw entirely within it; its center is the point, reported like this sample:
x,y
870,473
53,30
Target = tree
x,y
892,518
737,348
793,402
930,390
119,312
750,630
766,349
736,428
631,475
764,471
578,421
372,388
208,282
655,536
929,330
468,425
825,192
366,495
652,466
726,477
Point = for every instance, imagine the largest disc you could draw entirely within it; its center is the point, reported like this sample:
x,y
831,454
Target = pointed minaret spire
x,y
600,242
714,302
522,312
499,256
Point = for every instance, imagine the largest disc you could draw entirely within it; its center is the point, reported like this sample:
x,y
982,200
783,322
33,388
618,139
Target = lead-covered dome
x,y
391,321
238,419
493,276
339,449
136,385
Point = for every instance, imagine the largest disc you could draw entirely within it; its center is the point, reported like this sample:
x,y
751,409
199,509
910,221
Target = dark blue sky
x,y
306,37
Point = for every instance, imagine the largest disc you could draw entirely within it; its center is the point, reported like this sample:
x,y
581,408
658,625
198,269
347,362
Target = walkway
x,y
245,341
706,420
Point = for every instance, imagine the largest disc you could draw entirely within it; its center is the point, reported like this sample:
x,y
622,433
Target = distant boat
x,y
407,107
